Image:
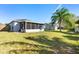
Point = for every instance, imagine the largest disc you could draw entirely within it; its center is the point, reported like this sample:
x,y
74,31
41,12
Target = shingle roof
x,y
26,20
22,20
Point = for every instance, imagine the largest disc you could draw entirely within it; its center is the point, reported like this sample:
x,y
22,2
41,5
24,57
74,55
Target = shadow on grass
x,y
42,39
29,48
72,38
31,51
62,47
56,44
22,43
69,33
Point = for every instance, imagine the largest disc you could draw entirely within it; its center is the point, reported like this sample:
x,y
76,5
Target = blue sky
x,y
34,12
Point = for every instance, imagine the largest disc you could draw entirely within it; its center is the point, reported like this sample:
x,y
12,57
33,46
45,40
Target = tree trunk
x,y
60,25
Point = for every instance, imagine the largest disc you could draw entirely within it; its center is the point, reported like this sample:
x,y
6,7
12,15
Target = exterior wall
x,y
14,26
52,26
56,25
48,27
11,25
77,29
34,30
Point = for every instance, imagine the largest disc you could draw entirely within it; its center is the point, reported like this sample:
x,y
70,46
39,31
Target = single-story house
x,y
50,26
77,28
24,25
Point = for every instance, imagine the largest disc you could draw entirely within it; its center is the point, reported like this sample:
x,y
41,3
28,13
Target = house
x,y
50,26
77,26
55,26
24,25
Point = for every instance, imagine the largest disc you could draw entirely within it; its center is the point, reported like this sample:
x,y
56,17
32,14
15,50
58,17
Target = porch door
x,y
22,26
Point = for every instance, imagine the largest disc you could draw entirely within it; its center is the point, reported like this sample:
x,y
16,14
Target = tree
x,y
77,22
62,15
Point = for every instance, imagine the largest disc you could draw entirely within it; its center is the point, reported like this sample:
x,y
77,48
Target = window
x,y
28,25
33,26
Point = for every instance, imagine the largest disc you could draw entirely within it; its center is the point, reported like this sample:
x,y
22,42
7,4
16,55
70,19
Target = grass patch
x,y
39,43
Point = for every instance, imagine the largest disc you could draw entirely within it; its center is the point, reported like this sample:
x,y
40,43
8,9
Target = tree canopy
x,y
64,17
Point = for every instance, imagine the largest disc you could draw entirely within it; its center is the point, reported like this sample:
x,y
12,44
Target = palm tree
x,y
62,15
77,22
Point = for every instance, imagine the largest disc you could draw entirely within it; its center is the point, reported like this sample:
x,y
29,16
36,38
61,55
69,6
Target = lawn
x,y
39,43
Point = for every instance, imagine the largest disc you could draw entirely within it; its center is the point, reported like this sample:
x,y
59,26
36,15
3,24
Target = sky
x,y
34,12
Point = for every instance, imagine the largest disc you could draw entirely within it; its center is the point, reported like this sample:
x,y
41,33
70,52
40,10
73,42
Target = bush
x,y
72,29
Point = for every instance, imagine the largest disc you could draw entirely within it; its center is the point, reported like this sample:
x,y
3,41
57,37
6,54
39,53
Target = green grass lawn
x,y
39,43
